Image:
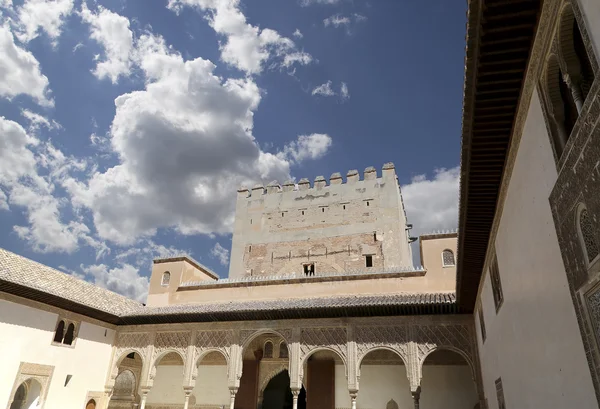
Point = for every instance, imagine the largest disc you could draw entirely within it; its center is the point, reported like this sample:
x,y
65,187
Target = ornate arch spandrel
x,y
334,339
126,343
269,372
212,341
248,335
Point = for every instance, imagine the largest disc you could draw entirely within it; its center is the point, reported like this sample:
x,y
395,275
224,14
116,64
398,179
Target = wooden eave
x,y
500,34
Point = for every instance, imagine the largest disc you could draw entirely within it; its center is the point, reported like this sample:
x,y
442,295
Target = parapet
x,y
352,176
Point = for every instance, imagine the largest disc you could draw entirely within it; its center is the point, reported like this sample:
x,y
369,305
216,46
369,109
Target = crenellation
x,y
370,173
273,187
289,186
336,179
352,176
320,182
388,171
304,184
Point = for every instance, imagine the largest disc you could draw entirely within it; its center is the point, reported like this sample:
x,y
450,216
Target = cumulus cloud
x,y
20,175
20,71
312,146
37,121
220,253
123,279
185,143
432,204
324,90
246,47
3,201
112,32
298,34
42,15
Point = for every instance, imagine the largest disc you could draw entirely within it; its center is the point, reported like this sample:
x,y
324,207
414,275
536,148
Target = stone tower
x,y
359,225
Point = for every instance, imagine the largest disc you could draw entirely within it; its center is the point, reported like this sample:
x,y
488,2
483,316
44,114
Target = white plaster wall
x,y
211,385
380,383
342,397
591,14
533,342
26,334
168,385
448,387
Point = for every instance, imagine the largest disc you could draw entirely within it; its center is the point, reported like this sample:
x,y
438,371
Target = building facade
x,y
503,315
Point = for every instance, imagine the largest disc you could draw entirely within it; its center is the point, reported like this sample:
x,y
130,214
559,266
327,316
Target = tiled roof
x,y
40,280
322,307
32,280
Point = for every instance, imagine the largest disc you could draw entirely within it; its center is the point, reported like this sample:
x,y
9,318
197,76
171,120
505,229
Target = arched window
x,y
166,278
60,331
448,258
268,349
283,350
587,235
68,340
91,404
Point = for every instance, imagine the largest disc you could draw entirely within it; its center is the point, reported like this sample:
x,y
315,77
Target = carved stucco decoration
x,y
246,334
381,337
455,337
206,341
125,385
167,342
38,372
129,342
323,338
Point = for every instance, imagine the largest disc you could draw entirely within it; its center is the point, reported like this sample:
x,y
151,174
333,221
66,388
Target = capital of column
x,y
232,393
416,395
353,396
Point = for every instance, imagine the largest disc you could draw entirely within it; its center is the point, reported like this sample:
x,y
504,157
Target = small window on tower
x,y
323,209
344,207
367,203
302,212
282,214
369,261
309,269
166,279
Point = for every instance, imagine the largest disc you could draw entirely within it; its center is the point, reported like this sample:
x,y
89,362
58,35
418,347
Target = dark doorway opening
x,y
278,395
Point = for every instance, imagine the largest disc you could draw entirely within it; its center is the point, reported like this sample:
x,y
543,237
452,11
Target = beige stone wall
x,y
331,254
432,247
367,215
533,341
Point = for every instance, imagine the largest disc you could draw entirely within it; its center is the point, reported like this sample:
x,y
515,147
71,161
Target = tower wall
x,y
335,226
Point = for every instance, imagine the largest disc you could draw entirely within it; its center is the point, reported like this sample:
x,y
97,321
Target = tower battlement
x,y
320,183
336,226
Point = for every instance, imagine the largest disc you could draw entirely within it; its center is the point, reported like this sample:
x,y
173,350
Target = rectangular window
x,y
309,269
496,284
500,394
369,261
481,324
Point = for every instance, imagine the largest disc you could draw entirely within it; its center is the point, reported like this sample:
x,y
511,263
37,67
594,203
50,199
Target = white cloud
x,y
3,201
246,47
312,146
48,16
298,34
305,3
220,253
324,90
36,121
124,279
432,204
185,143
20,71
344,93
145,250
46,230
112,32
336,21
339,21
77,46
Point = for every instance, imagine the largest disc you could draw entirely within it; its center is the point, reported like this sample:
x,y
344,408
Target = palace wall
x,y
27,333
533,342
335,225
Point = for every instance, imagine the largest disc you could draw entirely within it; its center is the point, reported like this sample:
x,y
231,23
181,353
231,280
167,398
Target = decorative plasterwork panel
x,y
172,341
246,334
41,373
132,341
371,338
592,299
333,338
454,337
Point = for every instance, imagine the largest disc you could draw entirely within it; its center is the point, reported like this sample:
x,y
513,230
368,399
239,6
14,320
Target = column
x,y
353,396
416,395
295,393
232,392
144,397
573,84
188,392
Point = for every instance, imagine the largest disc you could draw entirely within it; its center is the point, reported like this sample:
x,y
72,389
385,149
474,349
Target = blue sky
x,y
127,126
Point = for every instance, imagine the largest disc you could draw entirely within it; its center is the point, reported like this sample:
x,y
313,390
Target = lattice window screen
x,y
448,258
588,235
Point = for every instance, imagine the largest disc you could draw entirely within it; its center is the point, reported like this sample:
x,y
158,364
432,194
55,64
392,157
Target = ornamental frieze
x,y
455,336
370,338
334,338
